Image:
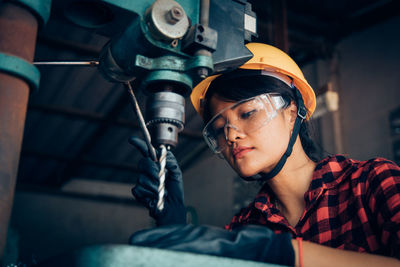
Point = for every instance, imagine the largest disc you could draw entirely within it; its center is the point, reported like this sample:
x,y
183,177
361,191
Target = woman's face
x,y
258,151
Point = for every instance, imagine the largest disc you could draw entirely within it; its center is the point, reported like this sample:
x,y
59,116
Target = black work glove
x,y
251,242
146,189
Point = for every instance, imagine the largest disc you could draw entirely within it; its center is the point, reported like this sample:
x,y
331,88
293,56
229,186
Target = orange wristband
x,y
300,244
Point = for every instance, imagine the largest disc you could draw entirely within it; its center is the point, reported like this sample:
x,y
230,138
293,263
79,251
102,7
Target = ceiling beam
x,y
96,117
63,44
364,18
61,176
83,160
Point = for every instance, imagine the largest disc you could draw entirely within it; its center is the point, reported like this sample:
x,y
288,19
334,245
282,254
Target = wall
x,y
370,78
368,81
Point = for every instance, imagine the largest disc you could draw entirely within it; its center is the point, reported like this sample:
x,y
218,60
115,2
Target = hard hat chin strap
x,y
301,115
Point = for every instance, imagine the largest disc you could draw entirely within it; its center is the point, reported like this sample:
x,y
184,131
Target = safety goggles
x,y
245,116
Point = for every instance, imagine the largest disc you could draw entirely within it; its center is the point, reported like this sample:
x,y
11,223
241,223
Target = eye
x,y
248,114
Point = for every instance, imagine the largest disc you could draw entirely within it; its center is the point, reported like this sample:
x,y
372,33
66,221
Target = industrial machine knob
x,y
167,20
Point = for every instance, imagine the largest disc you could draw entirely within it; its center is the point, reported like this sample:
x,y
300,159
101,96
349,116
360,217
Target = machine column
x,y
18,31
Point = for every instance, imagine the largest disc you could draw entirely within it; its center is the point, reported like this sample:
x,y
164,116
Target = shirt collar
x,y
328,173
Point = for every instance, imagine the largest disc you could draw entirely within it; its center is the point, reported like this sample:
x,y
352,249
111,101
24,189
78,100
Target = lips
x,y
241,151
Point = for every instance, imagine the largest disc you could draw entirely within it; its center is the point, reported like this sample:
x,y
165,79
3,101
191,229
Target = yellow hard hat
x,y
265,57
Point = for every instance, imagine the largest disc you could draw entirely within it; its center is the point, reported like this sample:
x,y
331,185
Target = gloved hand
x,y
251,242
146,189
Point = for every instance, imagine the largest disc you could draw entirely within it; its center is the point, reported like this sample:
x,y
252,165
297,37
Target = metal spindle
x,y
91,63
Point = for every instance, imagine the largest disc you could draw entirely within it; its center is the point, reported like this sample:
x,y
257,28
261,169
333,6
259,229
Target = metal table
x,y
126,255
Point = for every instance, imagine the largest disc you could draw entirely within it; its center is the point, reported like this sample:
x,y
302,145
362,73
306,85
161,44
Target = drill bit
x,y
163,158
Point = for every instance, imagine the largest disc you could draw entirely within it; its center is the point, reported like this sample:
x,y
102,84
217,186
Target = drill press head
x,y
167,48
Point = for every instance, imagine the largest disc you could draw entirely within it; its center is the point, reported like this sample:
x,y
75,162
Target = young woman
x,y
333,208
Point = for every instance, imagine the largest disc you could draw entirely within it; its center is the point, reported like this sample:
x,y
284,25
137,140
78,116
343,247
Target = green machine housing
x,y
165,48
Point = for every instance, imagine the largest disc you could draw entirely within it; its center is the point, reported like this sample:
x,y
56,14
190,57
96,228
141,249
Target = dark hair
x,y
242,84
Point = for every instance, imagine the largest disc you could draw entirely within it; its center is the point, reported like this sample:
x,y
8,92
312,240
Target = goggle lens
x,y
245,116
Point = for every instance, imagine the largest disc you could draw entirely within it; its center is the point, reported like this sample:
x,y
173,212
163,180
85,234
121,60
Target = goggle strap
x,y
288,152
296,129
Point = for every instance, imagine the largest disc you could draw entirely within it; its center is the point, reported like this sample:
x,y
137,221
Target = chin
x,y
246,173
242,168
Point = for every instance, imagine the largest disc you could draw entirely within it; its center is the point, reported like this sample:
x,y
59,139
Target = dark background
x,y
76,167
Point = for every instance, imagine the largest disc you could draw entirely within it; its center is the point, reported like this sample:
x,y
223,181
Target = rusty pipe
x,y
204,12
204,20
18,31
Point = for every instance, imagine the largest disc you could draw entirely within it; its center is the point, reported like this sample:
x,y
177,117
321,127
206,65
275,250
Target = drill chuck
x,y
165,116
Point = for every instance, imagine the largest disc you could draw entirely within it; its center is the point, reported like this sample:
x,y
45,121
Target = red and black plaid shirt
x,y
351,205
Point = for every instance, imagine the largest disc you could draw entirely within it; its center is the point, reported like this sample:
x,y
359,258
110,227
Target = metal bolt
x,y
174,15
144,61
202,72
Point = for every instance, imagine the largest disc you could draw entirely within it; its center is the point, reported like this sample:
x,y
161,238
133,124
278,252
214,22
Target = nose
x,y
232,133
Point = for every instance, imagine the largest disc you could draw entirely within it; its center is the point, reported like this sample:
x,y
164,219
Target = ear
x,y
291,114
